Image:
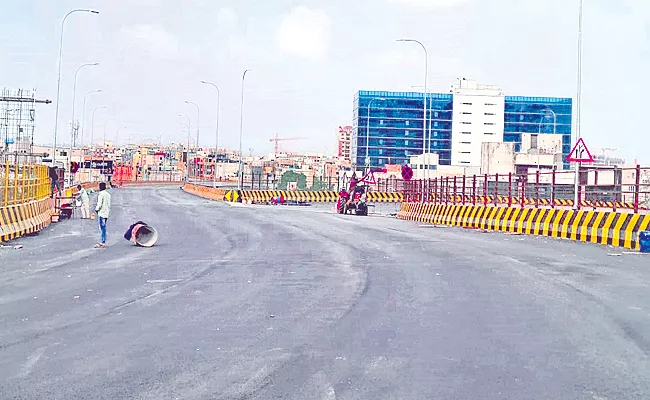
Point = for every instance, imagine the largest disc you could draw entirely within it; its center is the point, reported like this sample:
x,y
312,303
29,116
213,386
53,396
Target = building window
x,y
381,152
521,117
465,142
490,104
466,123
489,123
381,161
490,114
435,123
381,122
533,141
381,142
406,133
464,162
435,114
489,133
406,143
466,113
464,152
467,104
406,123
466,133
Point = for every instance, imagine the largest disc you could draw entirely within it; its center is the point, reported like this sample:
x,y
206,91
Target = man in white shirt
x,y
85,202
103,210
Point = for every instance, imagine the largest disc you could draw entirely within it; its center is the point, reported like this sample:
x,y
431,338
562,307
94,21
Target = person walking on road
x,y
85,202
103,210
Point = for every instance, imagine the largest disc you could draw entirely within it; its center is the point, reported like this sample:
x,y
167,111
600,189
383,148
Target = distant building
x,y
344,139
388,126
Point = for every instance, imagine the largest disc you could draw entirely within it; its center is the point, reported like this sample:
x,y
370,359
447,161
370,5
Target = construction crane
x,y
277,139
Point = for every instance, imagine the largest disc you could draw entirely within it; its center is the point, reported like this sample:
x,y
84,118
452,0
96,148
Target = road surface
x,y
257,302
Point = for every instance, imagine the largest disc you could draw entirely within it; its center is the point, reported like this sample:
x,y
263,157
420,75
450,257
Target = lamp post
x,y
83,116
216,140
424,121
73,137
58,83
241,133
92,135
187,178
198,121
367,160
576,198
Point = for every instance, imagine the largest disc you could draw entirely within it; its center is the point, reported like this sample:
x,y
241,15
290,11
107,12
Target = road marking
x,y
165,280
29,365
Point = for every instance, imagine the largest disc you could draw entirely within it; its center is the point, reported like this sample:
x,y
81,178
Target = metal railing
x,y
601,187
23,183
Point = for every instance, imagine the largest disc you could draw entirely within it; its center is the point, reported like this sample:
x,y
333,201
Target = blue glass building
x,y
390,130
544,115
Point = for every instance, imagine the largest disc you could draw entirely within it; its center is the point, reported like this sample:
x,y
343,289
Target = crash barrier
x,y
601,227
608,187
205,191
265,196
23,219
150,183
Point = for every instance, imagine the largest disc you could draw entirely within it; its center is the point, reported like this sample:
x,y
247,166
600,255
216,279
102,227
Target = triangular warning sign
x,y
580,153
369,178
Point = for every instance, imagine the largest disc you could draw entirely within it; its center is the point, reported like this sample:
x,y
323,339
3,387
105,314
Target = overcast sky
x,y
308,58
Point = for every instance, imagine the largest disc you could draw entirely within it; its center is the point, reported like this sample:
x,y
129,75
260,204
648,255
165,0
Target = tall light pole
x,y
92,135
368,133
424,121
241,133
216,138
83,116
117,133
576,198
198,121
73,137
58,83
187,179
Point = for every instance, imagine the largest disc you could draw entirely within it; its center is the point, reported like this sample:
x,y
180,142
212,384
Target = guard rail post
x,y
537,189
553,189
485,190
455,191
524,181
464,179
636,188
496,188
509,189
474,190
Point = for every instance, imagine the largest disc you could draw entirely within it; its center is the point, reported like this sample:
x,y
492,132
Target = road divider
x,y
265,196
601,227
23,219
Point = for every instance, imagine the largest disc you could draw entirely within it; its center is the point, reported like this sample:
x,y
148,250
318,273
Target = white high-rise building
x,y
477,119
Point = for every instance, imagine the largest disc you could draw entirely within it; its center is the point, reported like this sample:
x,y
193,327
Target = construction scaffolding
x,y
17,124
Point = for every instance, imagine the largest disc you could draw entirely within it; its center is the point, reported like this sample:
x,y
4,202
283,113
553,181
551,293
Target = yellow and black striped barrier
x,y
22,219
601,227
491,200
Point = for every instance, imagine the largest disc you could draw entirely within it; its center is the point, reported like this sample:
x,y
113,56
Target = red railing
x,y
598,187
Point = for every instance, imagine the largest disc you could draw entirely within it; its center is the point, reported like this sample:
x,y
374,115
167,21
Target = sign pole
x,y
576,186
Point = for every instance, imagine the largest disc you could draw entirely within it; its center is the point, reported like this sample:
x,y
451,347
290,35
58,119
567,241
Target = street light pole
x,y
576,198
367,160
187,178
58,83
241,133
216,143
83,116
198,121
424,126
73,137
92,135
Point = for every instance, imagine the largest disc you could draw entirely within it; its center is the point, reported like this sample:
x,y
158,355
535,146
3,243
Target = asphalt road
x,y
258,302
